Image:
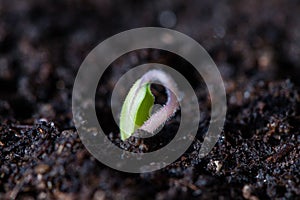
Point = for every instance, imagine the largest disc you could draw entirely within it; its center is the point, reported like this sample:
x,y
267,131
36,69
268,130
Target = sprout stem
x,y
172,104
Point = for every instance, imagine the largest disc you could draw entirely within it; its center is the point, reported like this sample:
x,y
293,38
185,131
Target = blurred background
x,y
42,44
255,44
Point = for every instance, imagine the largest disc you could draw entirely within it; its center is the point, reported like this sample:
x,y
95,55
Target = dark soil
x,y
256,46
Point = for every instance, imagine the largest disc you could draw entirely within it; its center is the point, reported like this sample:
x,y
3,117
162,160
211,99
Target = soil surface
x,y
256,46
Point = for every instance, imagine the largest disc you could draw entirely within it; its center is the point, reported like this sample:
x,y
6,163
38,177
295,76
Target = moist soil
x,y
256,46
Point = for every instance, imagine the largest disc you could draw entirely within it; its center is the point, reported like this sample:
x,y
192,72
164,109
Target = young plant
x,y
136,109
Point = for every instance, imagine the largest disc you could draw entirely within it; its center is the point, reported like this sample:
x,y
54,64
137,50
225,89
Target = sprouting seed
x,y
139,101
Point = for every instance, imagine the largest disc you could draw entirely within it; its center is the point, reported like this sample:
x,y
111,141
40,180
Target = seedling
x,y
136,109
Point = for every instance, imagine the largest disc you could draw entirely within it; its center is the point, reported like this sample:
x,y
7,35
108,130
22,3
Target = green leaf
x,y
136,109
